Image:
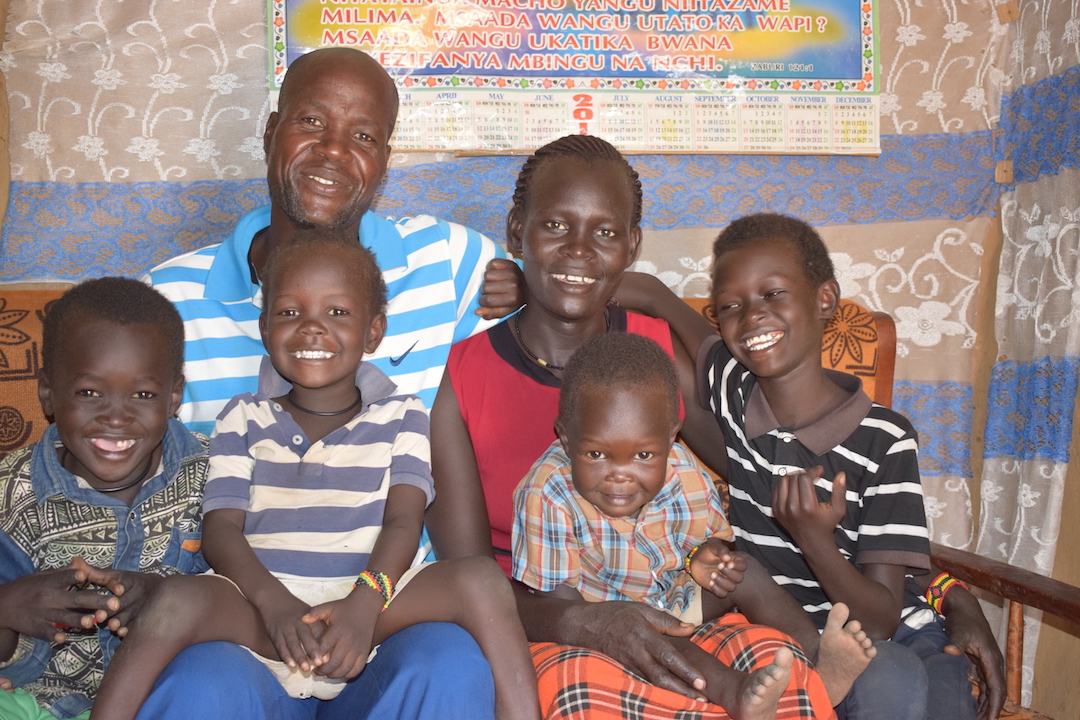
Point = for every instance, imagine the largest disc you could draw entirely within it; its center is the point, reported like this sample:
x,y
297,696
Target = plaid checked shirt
x,y
559,538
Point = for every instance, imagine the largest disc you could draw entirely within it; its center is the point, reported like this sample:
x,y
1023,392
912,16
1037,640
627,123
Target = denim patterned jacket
x,y
48,517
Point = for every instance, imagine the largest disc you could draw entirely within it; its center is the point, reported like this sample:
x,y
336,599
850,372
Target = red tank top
x,y
509,405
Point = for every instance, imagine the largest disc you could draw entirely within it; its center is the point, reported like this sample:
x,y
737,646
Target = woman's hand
x,y
634,635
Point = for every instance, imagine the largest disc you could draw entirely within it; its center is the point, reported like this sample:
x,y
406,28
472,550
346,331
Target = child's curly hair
x,y
813,255
120,300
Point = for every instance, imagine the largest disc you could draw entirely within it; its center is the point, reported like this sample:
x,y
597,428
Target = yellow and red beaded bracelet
x,y
935,594
690,556
379,582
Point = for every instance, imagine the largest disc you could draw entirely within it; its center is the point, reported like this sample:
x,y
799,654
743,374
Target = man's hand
x,y
717,567
6,685
43,603
132,588
503,290
969,633
633,634
796,507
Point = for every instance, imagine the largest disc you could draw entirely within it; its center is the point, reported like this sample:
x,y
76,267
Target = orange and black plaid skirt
x,y
580,684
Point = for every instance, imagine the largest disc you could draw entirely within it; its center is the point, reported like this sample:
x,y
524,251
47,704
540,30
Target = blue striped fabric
x,y
314,510
433,271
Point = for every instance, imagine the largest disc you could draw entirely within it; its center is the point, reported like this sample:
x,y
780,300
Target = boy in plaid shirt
x,y
616,510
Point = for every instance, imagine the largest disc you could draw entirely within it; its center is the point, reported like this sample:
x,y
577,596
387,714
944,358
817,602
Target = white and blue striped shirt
x,y
315,509
433,271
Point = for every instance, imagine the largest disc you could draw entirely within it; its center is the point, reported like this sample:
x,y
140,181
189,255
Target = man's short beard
x,y
288,200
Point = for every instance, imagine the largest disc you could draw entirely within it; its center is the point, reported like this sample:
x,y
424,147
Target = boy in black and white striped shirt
x,y
825,488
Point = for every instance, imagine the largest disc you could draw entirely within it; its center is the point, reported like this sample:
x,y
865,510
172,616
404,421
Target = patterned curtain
x,y
1034,382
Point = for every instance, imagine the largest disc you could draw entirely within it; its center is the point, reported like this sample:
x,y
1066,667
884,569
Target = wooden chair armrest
x,y
1013,583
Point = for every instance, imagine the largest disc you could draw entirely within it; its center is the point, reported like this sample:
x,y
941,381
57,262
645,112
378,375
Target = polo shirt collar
x,y
823,435
373,383
229,277
51,479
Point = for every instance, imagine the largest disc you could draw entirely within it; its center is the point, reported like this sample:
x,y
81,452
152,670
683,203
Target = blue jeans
x,y
431,670
910,678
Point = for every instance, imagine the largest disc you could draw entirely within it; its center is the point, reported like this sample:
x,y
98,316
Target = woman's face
x,y
576,236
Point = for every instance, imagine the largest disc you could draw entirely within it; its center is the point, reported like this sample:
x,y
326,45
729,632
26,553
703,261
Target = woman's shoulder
x,y
470,346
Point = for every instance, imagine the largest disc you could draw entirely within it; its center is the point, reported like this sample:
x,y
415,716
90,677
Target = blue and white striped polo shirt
x,y
314,510
433,271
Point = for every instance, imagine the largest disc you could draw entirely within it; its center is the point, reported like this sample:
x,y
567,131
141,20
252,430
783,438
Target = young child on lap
x,y
105,505
824,484
616,510
314,506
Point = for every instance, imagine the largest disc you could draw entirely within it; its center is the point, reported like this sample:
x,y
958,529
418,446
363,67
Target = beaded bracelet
x,y
935,594
379,582
690,556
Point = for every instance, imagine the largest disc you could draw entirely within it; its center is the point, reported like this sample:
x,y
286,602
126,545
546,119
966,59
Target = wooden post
x,y
1014,652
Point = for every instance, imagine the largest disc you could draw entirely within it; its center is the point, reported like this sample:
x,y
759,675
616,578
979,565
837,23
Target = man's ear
x,y
829,298
177,396
268,132
375,333
635,246
513,232
44,393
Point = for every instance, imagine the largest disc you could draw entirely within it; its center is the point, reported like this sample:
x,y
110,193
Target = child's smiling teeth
x,y
763,341
312,355
573,279
112,445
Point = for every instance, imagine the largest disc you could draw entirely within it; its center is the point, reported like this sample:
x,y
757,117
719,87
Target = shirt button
x,y
277,406
132,516
787,438
298,440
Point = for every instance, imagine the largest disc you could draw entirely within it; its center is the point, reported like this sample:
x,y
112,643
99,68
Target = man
x,y
327,148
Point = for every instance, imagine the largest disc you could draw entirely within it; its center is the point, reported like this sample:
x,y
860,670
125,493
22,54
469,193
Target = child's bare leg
x,y
185,611
763,602
844,653
745,696
473,593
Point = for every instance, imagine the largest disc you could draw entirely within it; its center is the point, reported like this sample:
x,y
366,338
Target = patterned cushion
x,y
22,309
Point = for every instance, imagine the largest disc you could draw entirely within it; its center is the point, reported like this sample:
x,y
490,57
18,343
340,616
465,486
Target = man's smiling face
x,y
327,146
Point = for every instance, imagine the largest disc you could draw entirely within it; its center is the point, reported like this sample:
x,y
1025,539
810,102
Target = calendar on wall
x,y
664,76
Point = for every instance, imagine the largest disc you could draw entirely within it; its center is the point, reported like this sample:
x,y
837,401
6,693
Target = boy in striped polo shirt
x,y
313,507
824,484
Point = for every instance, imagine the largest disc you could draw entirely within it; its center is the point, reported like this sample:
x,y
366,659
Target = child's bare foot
x,y
844,653
762,689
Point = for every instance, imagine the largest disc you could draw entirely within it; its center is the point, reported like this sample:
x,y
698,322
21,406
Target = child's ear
x,y
176,396
829,298
560,431
375,333
635,246
44,393
675,431
513,232
262,329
